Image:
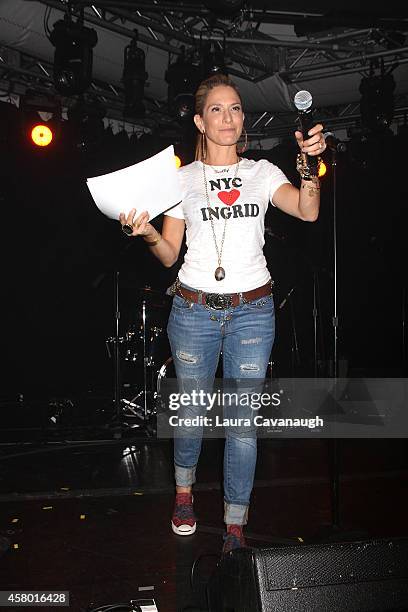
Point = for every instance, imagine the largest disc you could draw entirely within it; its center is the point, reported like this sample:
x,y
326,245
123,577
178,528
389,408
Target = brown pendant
x,y
219,274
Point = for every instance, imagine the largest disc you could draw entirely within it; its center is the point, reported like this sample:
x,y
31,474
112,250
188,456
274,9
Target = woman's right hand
x,y
140,224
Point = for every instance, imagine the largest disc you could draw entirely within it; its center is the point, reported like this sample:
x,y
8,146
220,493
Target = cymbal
x,y
149,291
156,298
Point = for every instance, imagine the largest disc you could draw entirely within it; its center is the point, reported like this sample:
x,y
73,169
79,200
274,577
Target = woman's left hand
x,y
315,144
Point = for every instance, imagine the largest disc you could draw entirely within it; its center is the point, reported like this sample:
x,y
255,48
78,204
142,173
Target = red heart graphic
x,y
229,197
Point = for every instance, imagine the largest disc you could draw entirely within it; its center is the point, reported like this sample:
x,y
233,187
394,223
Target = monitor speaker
x,y
365,576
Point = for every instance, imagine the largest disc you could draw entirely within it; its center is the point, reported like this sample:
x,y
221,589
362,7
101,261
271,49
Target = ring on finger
x,y
127,229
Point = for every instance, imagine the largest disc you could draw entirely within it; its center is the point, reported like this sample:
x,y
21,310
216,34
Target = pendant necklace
x,y
219,272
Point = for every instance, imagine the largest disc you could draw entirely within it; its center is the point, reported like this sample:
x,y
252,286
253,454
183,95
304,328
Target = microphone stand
x,y
404,332
334,531
335,320
315,315
319,351
334,464
334,454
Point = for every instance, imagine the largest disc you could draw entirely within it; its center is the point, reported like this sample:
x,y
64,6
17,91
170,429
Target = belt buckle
x,y
218,301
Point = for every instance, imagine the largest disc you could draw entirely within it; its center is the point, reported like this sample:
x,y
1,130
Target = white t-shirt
x,y
244,201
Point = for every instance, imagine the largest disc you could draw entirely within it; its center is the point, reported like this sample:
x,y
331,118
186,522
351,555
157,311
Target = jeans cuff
x,y
185,476
235,514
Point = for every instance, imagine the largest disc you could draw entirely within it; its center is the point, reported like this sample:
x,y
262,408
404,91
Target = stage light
x,y
41,135
40,118
86,123
73,55
183,78
213,60
377,100
134,78
322,169
177,161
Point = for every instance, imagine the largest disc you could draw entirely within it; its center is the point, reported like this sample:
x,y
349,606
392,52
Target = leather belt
x,y
220,301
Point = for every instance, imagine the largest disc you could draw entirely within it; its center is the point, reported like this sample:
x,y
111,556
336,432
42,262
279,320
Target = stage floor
x,y
95,520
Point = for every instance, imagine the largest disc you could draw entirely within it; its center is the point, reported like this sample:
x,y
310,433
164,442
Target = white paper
x,y
151,185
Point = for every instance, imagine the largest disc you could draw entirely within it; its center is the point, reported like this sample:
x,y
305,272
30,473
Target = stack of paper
x,y
151,185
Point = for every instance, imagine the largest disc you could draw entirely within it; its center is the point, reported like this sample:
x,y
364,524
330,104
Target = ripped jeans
x,y
245,336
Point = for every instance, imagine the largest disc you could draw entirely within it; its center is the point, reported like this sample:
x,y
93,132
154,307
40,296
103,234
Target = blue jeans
x,y
197,336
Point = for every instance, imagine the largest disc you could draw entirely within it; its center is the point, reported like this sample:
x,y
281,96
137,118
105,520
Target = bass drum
x,y
166,371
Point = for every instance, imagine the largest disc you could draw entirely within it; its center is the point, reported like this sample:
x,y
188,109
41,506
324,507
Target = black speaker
x,y
366,576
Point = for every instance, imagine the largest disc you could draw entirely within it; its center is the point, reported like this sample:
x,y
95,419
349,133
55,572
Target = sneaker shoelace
x,y
184,507
184,511
234,538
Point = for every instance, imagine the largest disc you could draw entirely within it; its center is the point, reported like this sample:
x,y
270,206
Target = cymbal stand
x,y
118,400
295,344
139,410
116,354
144,361
295,354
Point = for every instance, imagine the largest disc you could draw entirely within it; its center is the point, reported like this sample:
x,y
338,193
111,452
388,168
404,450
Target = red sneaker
x,y
233,539
183,521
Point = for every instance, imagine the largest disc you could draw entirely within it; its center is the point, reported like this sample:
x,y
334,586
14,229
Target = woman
x,y
222,297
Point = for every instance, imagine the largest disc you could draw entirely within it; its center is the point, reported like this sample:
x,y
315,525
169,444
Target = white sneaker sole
x,y
184,530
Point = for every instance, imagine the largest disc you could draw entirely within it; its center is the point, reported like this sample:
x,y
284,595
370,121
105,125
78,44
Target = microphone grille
x,y
303,100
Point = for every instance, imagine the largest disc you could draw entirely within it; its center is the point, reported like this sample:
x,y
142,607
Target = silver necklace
x,y
219,272
219,171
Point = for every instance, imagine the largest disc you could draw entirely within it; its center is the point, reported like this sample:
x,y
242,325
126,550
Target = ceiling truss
x,y
251,54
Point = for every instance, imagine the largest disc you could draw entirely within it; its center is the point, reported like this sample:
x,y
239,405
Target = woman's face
x,y
222,118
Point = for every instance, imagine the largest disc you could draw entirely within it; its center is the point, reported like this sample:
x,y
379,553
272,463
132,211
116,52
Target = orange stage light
x,y
41,135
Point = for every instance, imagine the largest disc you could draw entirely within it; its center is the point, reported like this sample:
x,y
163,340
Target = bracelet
x,y
304,170
154,242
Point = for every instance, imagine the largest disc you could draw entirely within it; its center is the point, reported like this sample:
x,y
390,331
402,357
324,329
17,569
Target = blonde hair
x,y
200,99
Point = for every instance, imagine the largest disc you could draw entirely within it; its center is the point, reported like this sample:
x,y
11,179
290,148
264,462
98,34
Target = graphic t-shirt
x,y
242,201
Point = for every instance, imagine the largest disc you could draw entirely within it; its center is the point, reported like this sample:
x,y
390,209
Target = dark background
x,y
59,254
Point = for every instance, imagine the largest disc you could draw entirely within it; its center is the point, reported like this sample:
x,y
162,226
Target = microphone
x,y
334,144
303,102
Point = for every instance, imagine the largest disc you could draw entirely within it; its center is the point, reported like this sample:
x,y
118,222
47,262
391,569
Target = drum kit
x,y
140,350
141,357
